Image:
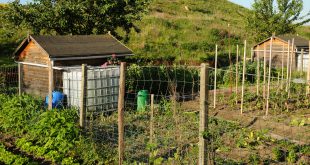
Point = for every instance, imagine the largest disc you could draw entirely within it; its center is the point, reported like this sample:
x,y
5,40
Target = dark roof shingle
x,y
298,41
80,45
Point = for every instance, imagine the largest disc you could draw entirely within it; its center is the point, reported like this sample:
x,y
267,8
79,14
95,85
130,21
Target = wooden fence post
x,y
121,106
237,73
20,78
50,84
83,95
215,78
288,64
243,76
203,114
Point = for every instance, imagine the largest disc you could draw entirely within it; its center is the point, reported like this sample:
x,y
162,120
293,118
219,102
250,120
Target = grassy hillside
x,y
189,29
304,31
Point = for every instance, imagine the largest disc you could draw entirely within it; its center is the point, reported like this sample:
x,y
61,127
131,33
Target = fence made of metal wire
x,y
9,79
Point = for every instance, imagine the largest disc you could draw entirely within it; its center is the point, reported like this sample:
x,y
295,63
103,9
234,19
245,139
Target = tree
x,y
77,16
281,17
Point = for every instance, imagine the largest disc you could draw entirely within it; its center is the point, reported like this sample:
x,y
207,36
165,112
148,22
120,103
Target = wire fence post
x,y
243,76
203,114
269,75
83,95
121,103
215,78
237,74
20,78
50,85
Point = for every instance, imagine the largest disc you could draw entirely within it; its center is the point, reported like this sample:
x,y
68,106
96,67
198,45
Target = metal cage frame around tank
x,y
101,91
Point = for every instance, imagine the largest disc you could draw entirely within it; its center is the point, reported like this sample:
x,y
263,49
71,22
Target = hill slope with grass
x,y
187,30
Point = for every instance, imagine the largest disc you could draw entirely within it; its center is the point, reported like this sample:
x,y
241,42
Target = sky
x,y
248,4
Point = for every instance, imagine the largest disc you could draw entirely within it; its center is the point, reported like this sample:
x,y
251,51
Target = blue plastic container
x,y
57,99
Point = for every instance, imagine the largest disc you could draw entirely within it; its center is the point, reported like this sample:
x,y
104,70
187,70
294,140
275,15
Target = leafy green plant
x,y
10,158
292,156
16,113
254,159
278,154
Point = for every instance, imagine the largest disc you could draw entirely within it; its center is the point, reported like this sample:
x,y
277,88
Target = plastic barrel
x,y
57,99
142,101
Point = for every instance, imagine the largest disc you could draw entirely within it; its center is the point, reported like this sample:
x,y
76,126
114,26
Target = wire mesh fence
x,y
165,129
8,79
167,133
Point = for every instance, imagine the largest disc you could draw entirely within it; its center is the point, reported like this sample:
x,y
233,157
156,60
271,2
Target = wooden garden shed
x,y
280,50
36,54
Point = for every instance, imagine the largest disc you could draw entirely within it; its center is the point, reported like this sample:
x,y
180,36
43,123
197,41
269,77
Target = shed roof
x,y
298,41
77,45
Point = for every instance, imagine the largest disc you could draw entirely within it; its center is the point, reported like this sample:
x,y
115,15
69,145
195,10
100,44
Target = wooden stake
x,y
237,73
243,77
215,78
291,66
230,71
308,73
282,67
265,71
288,65
203,115
20,78
83,95
252,55
50,85
302,60
152,120
258,73
121,106
269,74
278,82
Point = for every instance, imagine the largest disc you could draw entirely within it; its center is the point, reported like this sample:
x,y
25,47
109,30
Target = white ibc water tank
x,y
102,87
